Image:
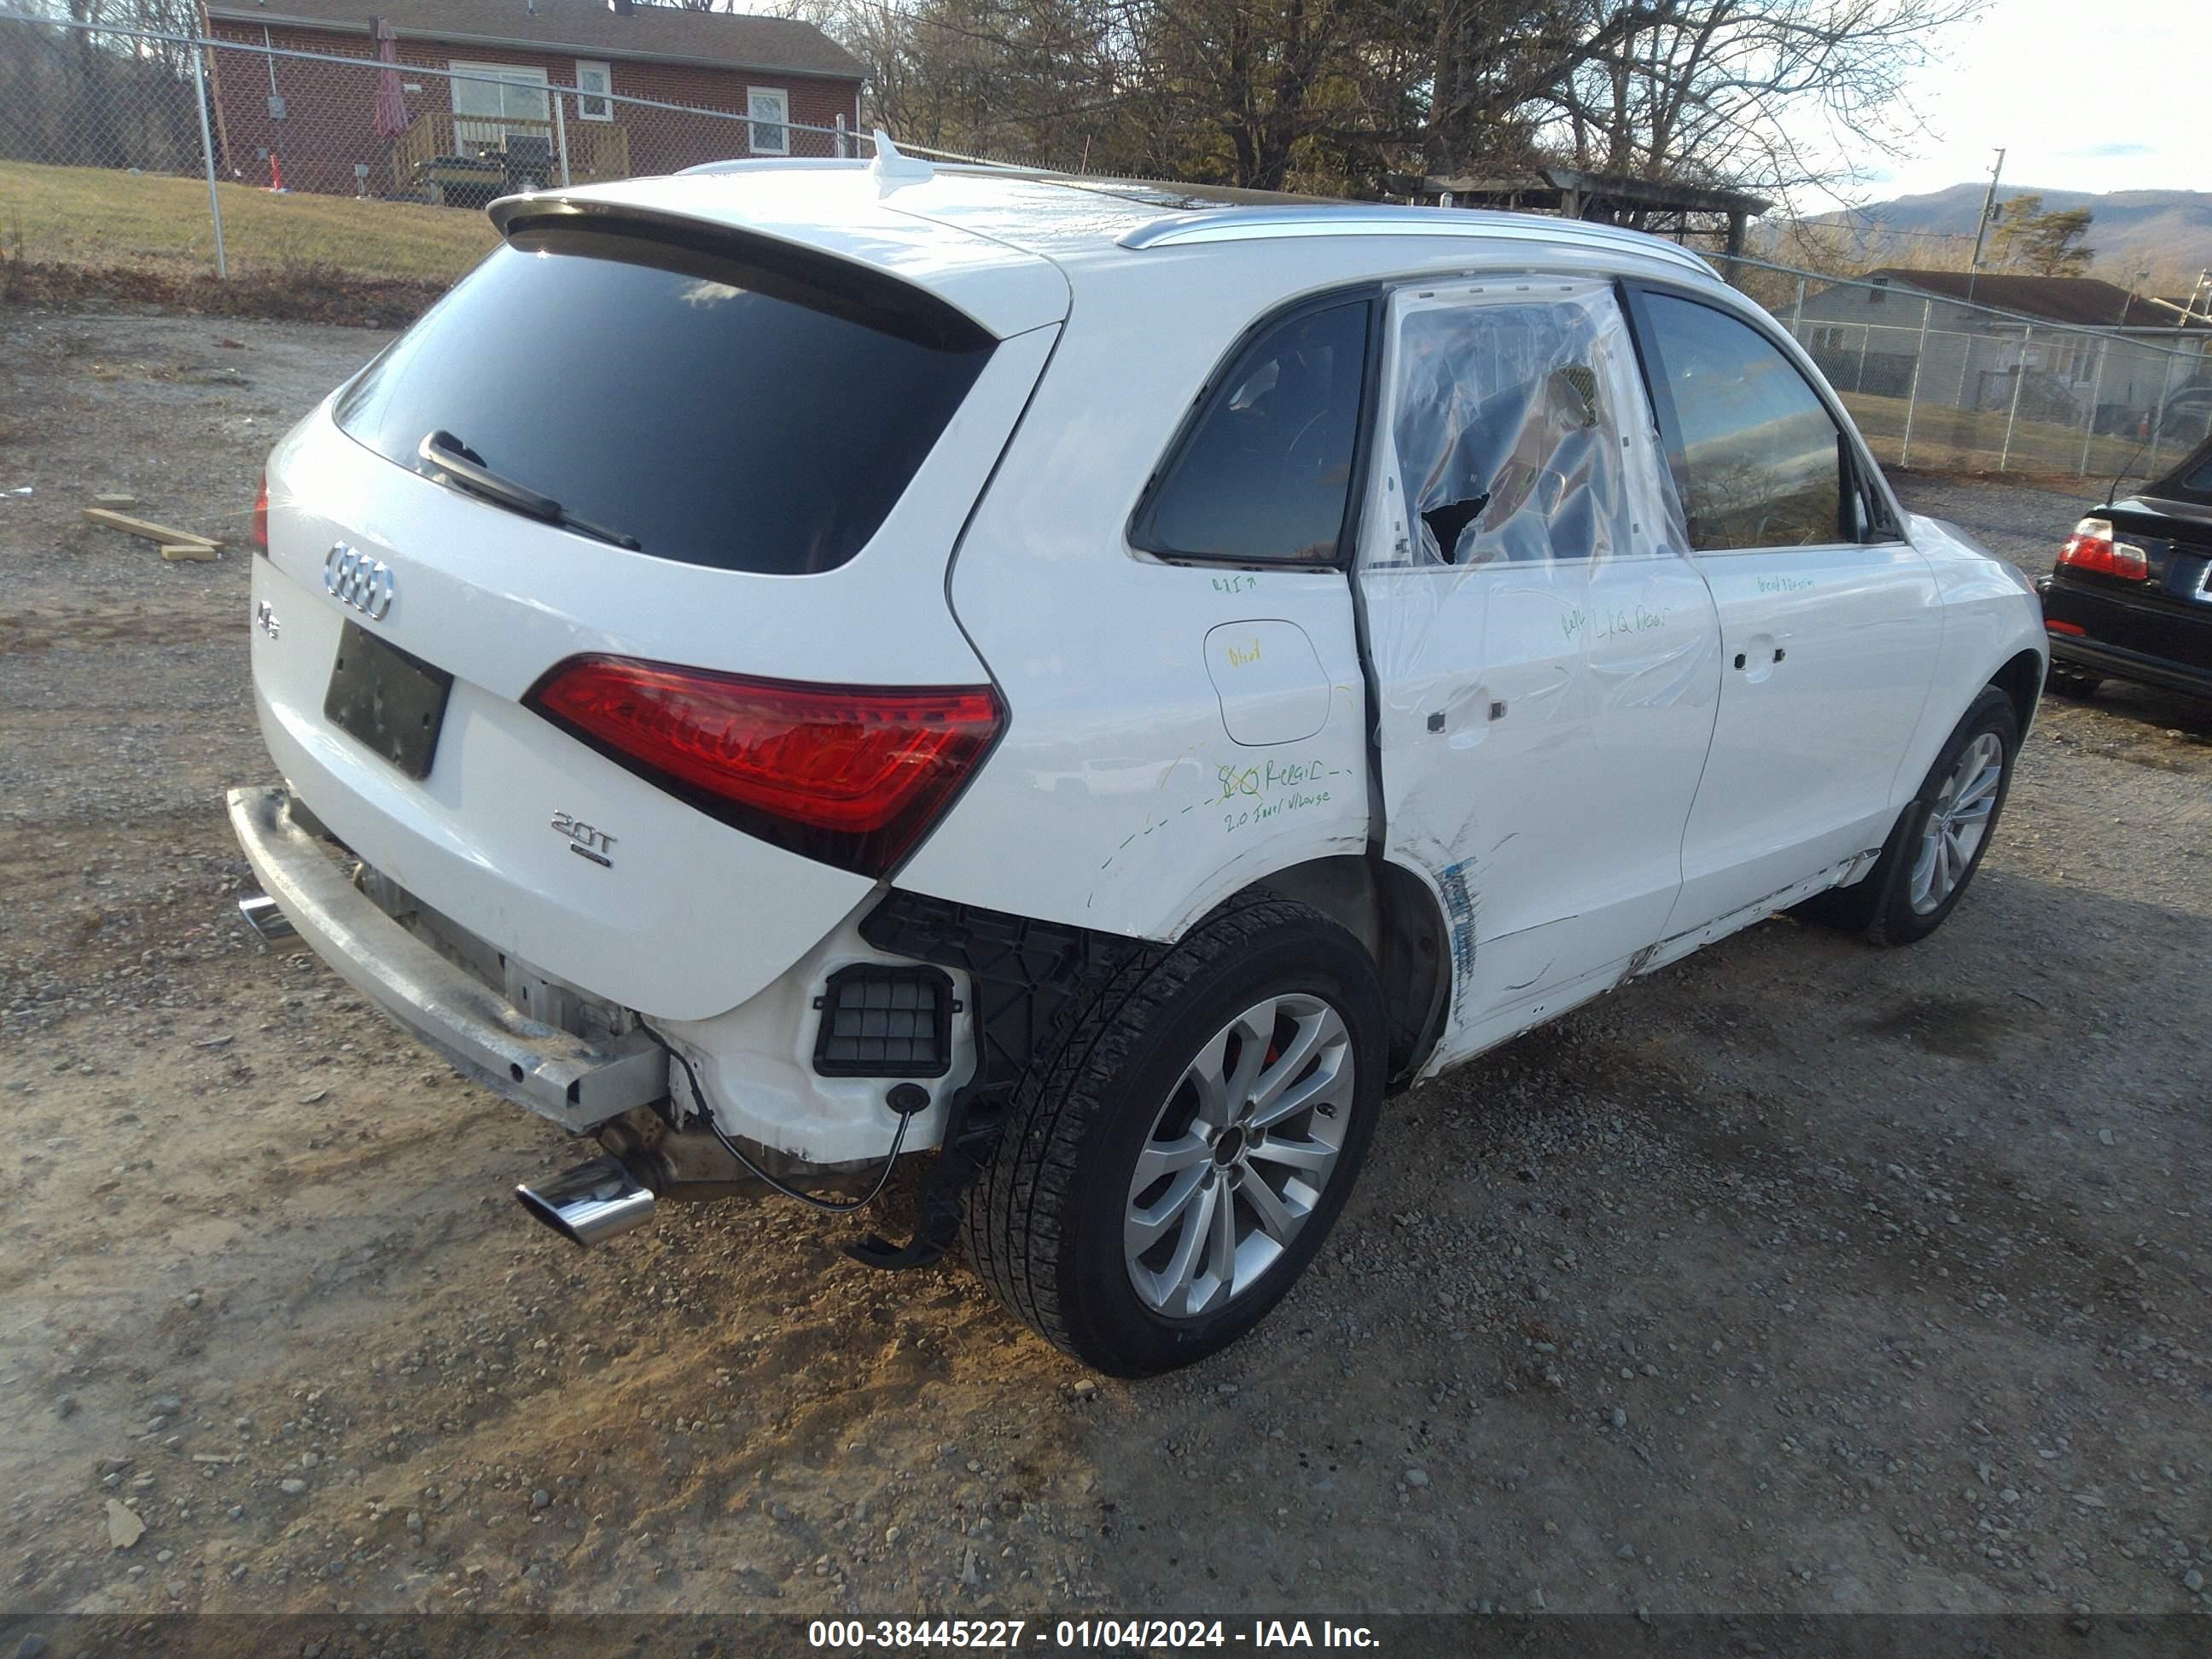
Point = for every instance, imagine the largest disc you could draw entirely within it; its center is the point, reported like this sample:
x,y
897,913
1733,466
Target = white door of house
x,y
508,97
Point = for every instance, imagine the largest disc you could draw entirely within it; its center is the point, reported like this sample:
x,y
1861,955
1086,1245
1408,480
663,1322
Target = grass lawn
x,y
1973,439
92,216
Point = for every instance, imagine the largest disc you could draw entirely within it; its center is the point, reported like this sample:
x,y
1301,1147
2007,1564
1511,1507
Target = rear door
x,y
1544,651
1830,622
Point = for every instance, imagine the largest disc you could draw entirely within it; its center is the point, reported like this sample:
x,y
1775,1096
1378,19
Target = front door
x,y
1829,621
1545,654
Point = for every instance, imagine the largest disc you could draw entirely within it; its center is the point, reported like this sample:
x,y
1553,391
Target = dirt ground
x,y
1804,1277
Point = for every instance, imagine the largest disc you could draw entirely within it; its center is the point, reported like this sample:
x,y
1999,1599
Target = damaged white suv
x,y
803,664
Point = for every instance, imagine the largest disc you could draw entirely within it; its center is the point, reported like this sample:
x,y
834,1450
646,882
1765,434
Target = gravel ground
x,y
1804,1277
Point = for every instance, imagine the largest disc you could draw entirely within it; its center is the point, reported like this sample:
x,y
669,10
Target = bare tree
x,y
1723,90
1339,96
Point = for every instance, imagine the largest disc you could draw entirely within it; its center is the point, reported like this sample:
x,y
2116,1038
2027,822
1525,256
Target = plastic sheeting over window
x,y
1517,431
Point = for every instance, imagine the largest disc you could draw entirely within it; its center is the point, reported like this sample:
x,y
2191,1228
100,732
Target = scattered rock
x,y
1417,1477
540,1499
292,1488
124,1528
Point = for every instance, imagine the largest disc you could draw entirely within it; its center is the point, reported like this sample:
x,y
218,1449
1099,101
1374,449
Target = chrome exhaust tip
x,y
260,912
590,1203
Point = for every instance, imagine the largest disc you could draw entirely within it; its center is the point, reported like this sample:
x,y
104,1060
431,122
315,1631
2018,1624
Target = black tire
x,y
2069,682
1044,1223
1880,906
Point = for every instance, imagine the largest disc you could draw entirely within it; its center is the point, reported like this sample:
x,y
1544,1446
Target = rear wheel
x,y
1171,1168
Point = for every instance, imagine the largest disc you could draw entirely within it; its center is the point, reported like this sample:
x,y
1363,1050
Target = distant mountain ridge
x,y
2132,230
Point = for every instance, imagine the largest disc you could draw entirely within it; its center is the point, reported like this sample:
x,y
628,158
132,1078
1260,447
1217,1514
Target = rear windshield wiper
x,y
443,451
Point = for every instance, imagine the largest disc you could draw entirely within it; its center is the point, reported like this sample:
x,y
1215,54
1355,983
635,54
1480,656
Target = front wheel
x,y
1939,839
1168,1173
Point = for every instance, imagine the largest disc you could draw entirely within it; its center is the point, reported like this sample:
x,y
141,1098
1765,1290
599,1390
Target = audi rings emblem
x,y
354,579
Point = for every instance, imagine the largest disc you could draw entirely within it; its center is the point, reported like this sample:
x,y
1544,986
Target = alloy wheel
x,y
1957,824
1239,1155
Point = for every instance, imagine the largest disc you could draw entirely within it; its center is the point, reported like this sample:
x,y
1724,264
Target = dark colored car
x,y
2130,598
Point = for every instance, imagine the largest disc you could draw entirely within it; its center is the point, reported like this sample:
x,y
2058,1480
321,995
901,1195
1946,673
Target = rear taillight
x,y
851,776
261,518
2091,547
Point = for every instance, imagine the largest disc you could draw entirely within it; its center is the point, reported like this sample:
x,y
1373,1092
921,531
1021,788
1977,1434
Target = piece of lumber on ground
x,y
198,551
147,529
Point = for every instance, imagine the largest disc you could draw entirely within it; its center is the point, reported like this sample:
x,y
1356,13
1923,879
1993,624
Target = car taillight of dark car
x,y
2092,548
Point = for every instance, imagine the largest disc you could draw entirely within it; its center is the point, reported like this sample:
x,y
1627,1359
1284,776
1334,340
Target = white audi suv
x,y
804,664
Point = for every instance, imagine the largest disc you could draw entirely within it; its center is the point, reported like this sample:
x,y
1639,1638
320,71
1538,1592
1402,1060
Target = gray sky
x,y
2085,95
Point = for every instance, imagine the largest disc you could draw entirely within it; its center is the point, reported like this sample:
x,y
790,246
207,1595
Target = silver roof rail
x,y
1253,224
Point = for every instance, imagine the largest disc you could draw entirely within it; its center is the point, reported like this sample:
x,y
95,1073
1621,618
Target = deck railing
x,y
597,149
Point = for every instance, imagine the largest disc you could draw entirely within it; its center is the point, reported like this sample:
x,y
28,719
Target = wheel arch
x,y
2021,680
1399,922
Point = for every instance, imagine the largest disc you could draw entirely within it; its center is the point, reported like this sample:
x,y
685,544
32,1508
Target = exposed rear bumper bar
x,y
575,1082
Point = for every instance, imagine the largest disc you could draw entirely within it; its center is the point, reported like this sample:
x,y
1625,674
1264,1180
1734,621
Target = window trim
x,y
1866,477
782,146
1368,294
473,73
603,98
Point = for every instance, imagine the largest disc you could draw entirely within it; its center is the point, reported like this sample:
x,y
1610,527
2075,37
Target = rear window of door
x,y
1518,432
1264,475
1760,461
743,409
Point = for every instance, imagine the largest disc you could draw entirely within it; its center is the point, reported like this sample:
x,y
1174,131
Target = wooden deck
x,y
597,149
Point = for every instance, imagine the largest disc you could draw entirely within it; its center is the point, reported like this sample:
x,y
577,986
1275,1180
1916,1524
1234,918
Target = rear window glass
x,y
759,411
2190,482
1264,475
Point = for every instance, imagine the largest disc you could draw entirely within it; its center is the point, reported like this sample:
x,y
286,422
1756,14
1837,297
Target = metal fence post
x,y
2158,423
2018,376
561,139
1912,394
842,151
2089,427
1798,314
1858,380
207,155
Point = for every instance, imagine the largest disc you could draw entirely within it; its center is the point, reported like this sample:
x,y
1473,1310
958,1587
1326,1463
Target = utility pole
x,y
1982,229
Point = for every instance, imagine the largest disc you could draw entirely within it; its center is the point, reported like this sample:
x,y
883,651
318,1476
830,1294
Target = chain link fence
x,y
1943,384
140,146
321,157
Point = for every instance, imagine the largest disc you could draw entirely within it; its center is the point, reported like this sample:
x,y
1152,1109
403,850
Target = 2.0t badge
x,y
585,842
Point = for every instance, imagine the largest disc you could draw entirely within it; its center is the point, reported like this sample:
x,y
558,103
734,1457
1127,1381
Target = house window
x,y
769,108
594,79
492,100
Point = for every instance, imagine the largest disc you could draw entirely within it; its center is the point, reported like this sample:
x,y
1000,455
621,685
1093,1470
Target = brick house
x,y
541,93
